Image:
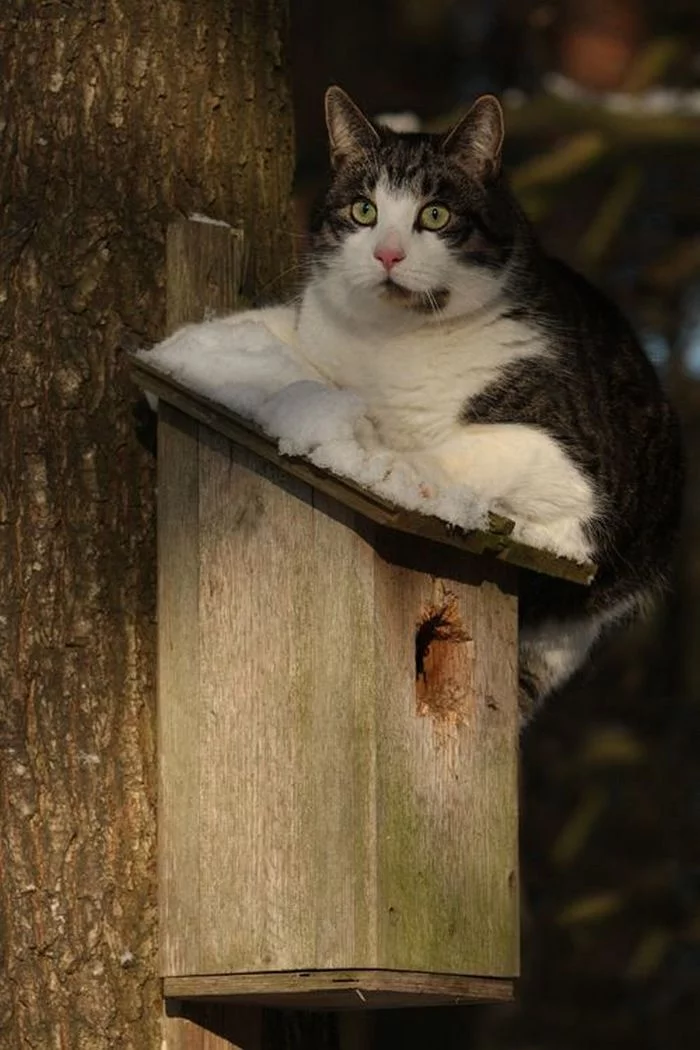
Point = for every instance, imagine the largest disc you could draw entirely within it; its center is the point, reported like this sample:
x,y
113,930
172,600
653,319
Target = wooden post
x,y
204,270
204,267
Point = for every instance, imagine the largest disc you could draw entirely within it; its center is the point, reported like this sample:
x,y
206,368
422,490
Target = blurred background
x,y
602,102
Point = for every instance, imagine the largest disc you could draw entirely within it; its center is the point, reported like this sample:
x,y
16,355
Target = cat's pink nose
x,y
389,256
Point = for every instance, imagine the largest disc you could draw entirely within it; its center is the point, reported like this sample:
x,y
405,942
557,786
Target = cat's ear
x,y
478,138
349,131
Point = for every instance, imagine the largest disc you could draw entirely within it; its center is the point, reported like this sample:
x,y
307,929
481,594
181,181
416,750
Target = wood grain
x,y
179,713
256,580
340,738
327,820
341,989
205,264
447,774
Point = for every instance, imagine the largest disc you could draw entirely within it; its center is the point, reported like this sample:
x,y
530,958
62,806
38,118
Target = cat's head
x,y
419,222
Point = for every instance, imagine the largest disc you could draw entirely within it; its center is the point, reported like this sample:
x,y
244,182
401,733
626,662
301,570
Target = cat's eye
x,y
364,212
434,217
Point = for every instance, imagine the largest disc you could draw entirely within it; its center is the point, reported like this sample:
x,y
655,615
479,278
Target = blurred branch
x,y
563,162
610,217
547,115
578,828
591,908
650,953
580,130
651,64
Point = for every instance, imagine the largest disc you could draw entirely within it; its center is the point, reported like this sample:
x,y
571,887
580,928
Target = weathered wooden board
x,y
179,712
205,262
341,990
321,809
204,270
446,763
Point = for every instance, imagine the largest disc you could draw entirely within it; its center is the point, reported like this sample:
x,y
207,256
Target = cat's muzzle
x,y
423,302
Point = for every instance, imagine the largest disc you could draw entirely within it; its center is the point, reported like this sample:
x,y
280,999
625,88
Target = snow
x,y
400,122
652,102
514,97
207,220
243,367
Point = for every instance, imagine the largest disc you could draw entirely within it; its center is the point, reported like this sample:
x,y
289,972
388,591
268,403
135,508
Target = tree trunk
x,y
117,116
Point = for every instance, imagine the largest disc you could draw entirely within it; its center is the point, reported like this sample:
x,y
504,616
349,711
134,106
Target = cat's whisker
x,y
438,311
432,303
292,232
302,267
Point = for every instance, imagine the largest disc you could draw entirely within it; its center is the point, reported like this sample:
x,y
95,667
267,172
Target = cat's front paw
x,y
367,435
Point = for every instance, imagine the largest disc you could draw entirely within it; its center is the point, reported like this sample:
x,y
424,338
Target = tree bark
x,y
117,117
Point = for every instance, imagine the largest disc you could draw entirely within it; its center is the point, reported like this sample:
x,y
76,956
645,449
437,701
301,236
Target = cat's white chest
x,y
415,382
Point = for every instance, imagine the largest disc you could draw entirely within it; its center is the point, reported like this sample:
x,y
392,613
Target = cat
x,y
484,362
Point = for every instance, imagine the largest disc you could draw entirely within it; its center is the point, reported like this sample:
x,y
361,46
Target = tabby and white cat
x,y
486,363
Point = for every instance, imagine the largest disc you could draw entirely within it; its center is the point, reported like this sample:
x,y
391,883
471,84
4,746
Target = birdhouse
x,y
338,731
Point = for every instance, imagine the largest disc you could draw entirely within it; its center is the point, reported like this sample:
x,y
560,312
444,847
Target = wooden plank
x,y
447,765
204,262
341,989
496,542
339,740
286,615
256,579
178,692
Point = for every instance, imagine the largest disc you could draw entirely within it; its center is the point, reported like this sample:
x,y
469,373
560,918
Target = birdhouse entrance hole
x,y
444,662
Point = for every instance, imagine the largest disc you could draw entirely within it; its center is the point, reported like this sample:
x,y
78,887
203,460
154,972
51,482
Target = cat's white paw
x,y
434,478
367,435
563,536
